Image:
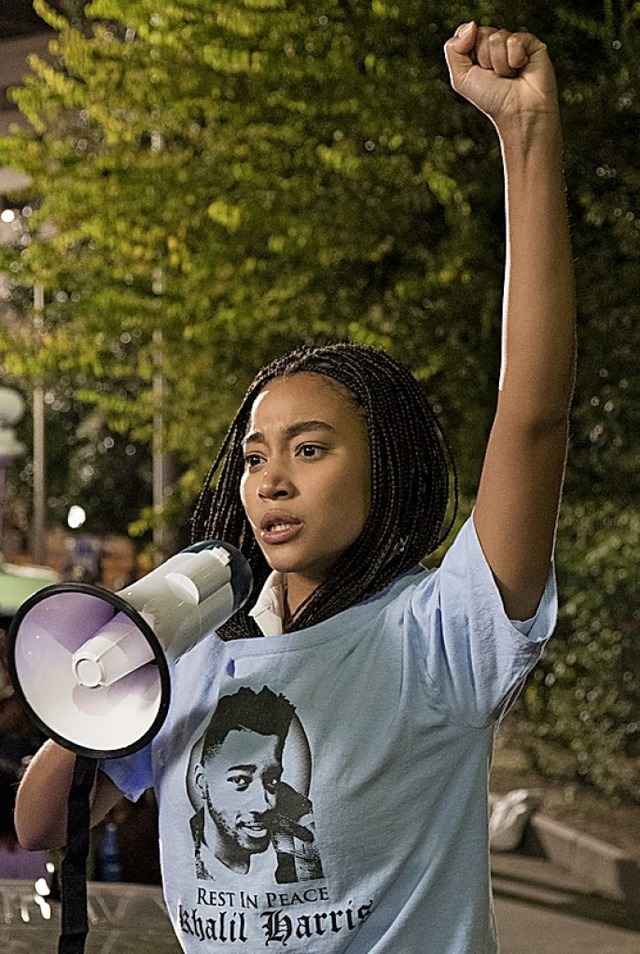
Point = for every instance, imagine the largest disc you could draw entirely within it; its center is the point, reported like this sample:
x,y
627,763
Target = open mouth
x,y
278,528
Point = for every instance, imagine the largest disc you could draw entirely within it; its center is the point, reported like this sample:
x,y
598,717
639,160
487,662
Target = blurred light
x,y
76,517
45,907
11,407
7,215
42,888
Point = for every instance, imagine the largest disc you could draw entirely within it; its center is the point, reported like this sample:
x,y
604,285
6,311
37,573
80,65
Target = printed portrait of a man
x,y
249,817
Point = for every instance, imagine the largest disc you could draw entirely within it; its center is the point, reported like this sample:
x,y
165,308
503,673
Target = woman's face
x,y
306,487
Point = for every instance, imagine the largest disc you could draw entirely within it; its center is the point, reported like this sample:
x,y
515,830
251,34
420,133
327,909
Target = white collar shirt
x,y
268,611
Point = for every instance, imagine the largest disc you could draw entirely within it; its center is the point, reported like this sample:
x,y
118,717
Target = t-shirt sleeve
x,y
475,658
133,774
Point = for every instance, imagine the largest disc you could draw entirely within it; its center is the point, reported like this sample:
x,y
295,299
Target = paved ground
x,y
124,919
540,909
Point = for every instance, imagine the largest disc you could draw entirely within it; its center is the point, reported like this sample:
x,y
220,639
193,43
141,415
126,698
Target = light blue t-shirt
x,y
366,830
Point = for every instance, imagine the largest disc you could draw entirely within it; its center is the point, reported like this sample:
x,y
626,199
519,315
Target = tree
x,y
258,176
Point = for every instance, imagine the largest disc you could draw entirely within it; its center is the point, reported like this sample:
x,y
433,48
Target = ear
x,y
200,779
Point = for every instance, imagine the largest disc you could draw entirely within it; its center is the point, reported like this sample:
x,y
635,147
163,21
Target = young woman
x,y
323,787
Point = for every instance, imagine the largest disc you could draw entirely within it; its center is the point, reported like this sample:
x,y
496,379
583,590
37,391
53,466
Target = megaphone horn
x,y
92,666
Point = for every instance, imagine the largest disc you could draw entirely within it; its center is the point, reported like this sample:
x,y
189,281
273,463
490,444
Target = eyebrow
x,y
242,768
292,430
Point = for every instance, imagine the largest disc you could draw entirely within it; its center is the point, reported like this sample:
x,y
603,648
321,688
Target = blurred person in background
x,y
19,738
15,861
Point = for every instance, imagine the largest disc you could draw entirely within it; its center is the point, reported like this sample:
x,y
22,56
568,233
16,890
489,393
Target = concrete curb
x,y
607,870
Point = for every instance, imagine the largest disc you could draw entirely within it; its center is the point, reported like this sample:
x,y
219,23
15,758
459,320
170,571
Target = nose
x,y
275,483
261,802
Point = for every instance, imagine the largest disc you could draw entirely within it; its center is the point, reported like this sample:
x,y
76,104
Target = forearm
x,y
42,799
538,354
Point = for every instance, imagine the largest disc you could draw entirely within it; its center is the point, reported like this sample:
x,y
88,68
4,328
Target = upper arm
x,y
517,507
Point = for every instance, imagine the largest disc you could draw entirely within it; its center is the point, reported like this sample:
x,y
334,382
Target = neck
x,y
296,592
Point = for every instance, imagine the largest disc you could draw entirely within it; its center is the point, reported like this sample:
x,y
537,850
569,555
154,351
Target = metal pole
x,y
39,475
2,502
158,448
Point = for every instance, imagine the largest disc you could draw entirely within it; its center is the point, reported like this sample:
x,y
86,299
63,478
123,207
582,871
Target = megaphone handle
x,y
74,919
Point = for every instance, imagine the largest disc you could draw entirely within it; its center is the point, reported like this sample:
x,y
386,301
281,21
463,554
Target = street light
x,y
11,412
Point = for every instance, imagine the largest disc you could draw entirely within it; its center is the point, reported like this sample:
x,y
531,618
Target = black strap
x,y
75,923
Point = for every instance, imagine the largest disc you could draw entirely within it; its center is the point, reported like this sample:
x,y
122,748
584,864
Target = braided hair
x,y
413,481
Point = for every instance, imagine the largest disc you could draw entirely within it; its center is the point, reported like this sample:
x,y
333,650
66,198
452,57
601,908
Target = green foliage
x,y
87,464
258,175
580,713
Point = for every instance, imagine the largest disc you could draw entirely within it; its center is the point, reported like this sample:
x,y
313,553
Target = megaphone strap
x,y
74,919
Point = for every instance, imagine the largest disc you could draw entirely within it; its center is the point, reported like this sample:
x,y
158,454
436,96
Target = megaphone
x,y
92,666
